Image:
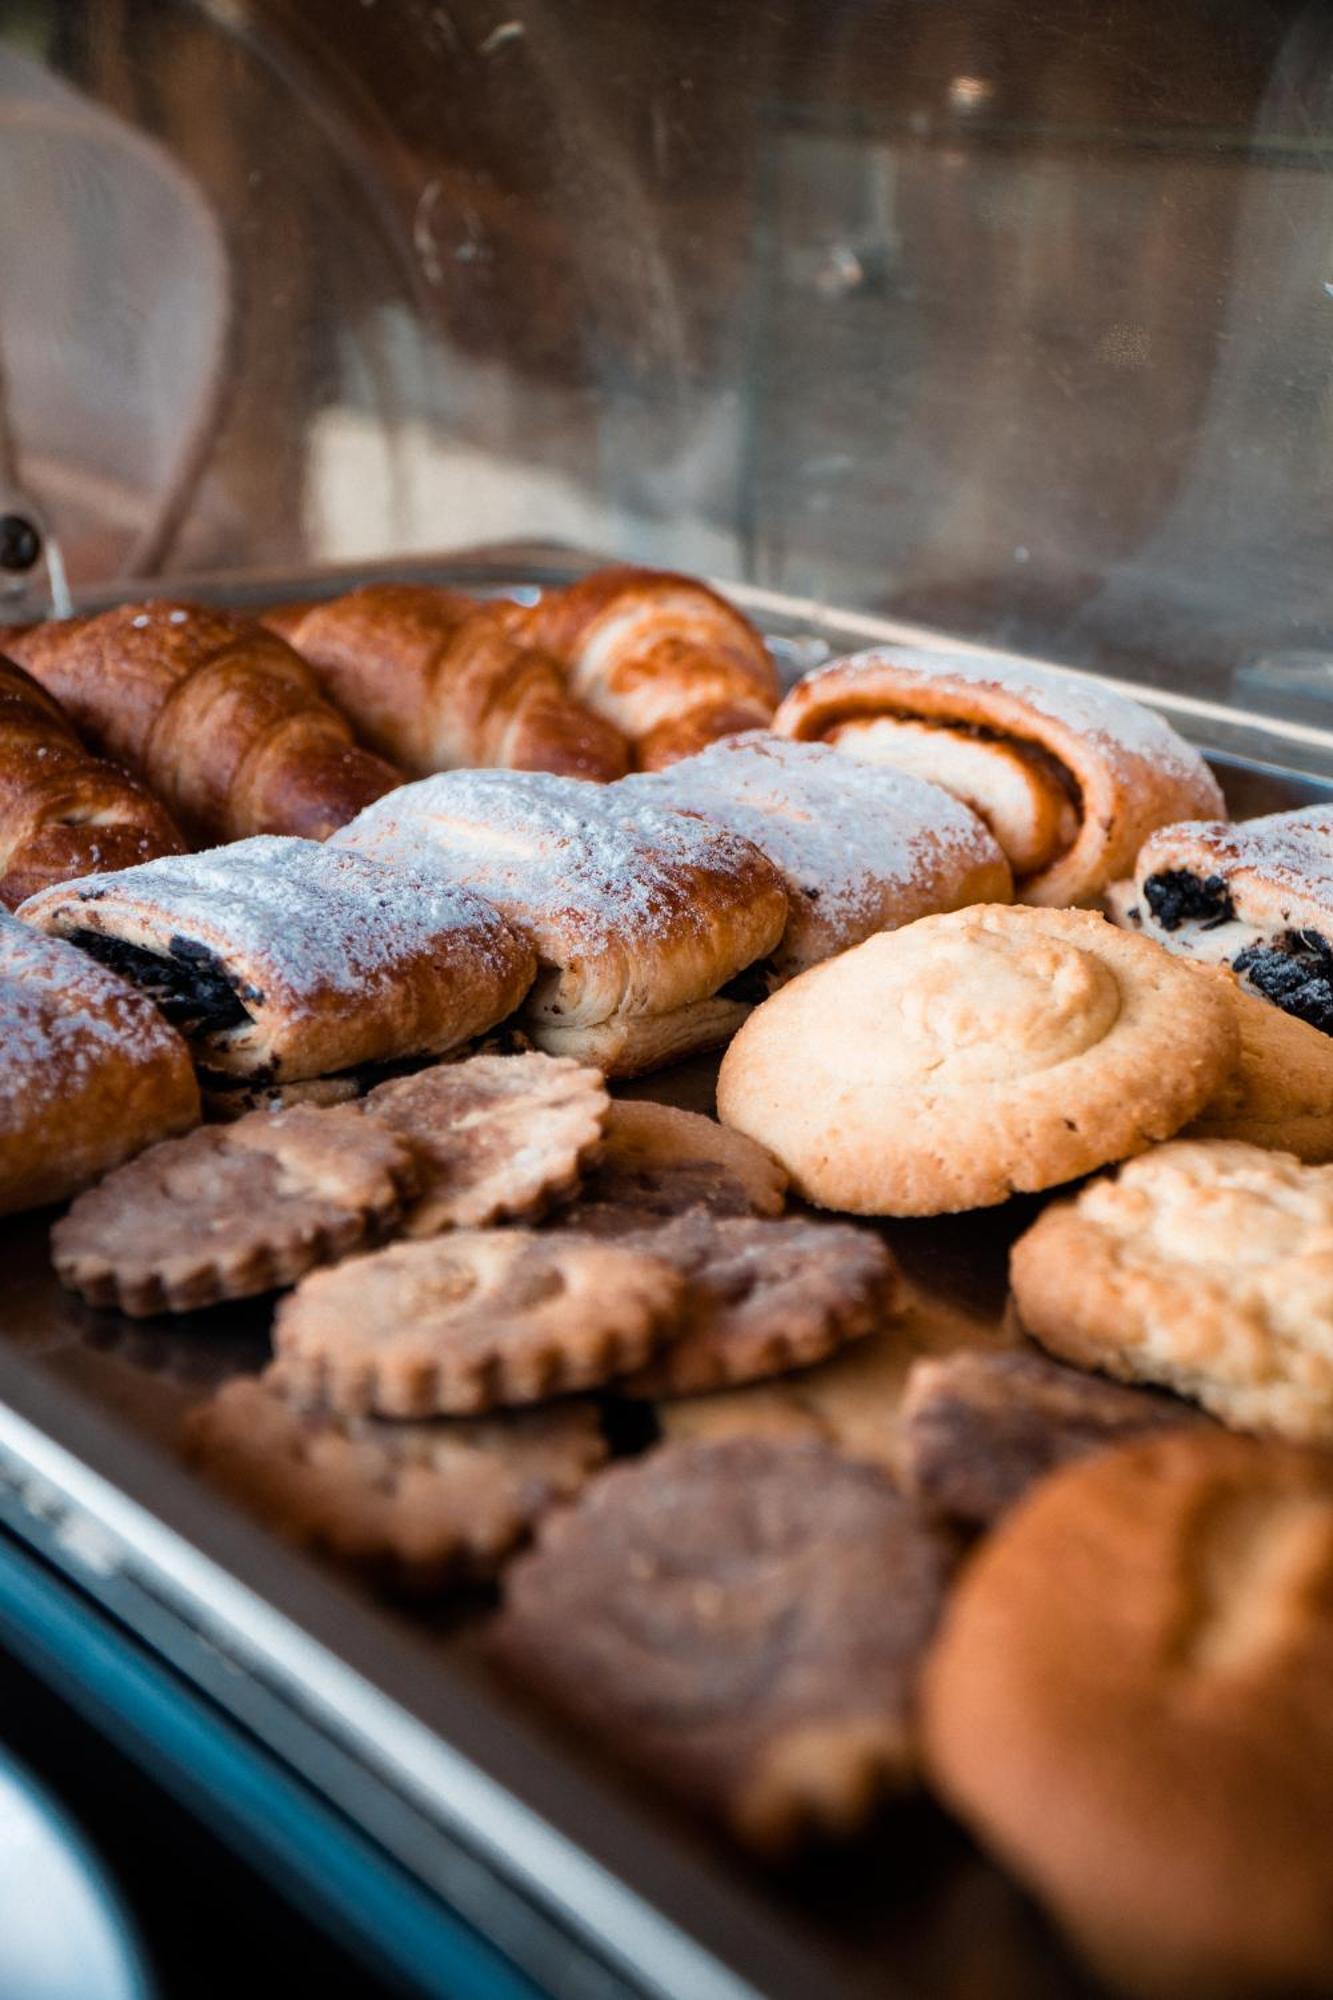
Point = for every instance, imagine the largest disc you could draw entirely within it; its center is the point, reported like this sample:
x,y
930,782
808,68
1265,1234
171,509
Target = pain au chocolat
x,y
1070,775
283,959
641,916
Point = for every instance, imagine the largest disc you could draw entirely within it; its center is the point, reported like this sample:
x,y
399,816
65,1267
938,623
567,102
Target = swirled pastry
x,y
861,848
90,1073
639,914
967,1057
1070,776
1257,896
280,959
663,657
436,680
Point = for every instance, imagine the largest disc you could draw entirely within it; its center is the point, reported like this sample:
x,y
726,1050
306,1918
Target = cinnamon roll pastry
x,y
64,812
220,716
640,916
283,959
90,1073
436,680
663,657
1070,776
1257,896
861,848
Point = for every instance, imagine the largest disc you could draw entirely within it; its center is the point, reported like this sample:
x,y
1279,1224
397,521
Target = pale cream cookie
x,y
1206,1267
967,1057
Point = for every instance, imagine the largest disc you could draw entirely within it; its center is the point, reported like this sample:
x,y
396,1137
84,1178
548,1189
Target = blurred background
x,y
1015,321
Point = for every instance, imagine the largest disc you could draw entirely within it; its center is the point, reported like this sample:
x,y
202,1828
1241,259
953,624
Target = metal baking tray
x,y
566,1876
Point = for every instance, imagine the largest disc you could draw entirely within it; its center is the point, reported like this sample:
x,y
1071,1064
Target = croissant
x,y
663,657
437,681
223,720
63,812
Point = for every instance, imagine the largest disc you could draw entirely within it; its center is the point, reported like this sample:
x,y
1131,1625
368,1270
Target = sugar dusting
x,y
1293,850
296,914
841,831
554,852
1111,720
63,1017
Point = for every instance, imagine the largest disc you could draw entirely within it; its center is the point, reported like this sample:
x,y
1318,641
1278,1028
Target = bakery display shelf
x,y
567,1876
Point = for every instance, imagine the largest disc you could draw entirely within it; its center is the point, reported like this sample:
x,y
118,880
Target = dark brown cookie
x,y
743,1622
232,1210
499,1137
765,1297
978,1429
417,1504
473,1320
657,1162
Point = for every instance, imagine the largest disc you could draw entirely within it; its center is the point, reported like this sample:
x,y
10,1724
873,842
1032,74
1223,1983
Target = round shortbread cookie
x,y
418,1504
765,1297
1207,1267
744,1622
971,1056
1281,1094
1128,1704
498,1137
657,1162
232,1210
474,1320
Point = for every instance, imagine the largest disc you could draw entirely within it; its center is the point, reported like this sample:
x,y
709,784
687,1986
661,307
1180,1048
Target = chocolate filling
x,y
1177,897
192,987
1295,972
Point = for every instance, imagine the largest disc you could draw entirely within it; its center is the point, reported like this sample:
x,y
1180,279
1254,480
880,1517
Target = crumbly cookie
x,y
1281,1094
765,1297
852,1401
224,1106
231,1210
979,1429
418,1504
479,1318
1128,1704
966,1057
657,1162
742,1621
499,1137
1205,1267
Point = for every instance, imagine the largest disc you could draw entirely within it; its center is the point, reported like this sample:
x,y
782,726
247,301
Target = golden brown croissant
x,y
665,658
63,812
437,681
224,721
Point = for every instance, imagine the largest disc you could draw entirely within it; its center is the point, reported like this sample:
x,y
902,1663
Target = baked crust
x,y
1206,1267
64,812
90,1073
284,959
665,658
970,1056
221,717
861,848
656,1162
1281,1095
639,914
1128,1705
436,680
1127,770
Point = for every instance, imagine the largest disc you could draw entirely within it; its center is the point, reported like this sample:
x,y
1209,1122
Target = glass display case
x,y
1006,326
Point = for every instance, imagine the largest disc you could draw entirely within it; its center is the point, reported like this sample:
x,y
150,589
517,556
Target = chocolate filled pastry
x,y
64,812
221,718
663,657
283,959
90,1073
436,680
860,847
1257,896
639,915
1070,776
